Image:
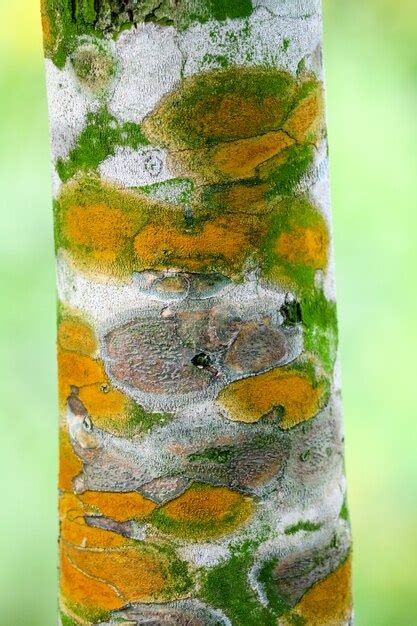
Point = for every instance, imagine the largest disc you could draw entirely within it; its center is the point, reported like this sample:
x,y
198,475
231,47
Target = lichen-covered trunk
x,y
201,446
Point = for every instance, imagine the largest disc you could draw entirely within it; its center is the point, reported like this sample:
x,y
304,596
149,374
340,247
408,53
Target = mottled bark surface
x,y
201,465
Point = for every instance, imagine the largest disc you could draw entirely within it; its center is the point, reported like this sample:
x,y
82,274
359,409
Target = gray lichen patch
x,y
93,65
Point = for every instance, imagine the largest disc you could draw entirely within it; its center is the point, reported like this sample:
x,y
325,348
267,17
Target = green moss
x,y
320,327
91,616
223,9
99,139
216,60
141,421
278,603
182,582
68,621
226,587
344,511
66,20
178,191
286,171
213,455
306,526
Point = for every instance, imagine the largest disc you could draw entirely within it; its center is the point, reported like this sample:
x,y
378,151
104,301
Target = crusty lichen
x,y
288,395
204,293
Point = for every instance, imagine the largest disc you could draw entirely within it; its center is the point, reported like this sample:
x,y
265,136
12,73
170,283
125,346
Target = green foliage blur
x,y
371,61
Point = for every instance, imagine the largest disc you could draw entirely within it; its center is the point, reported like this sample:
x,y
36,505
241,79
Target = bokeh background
x,y
371,59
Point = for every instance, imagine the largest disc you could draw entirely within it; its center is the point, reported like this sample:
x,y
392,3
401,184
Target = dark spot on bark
x,y
291,312
201,360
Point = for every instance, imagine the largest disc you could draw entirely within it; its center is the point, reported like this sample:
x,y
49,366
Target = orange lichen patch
x,y
330,600
304,246
98,227
239,159
233,114
139,573
118,506
76,336
221,105
77,588
249,399
76,532
307,117
203,512
69,463
244,199
77,369
133,571
102,401
96,223
223,240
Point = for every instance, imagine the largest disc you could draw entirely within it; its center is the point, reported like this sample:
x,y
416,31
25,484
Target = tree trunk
x,y
201,447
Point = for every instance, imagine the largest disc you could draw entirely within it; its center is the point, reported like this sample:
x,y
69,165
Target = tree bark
x,y
201,448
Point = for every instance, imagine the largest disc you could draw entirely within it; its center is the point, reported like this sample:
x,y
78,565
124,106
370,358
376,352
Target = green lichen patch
x,y
226,587
302,526
266,576
66,620
141,421
344,511
286,170
99,139
178,191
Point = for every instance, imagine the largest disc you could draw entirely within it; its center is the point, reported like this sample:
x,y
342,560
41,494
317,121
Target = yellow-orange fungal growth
x,y
236,115
204,512
96,224
242,199
329,601
75,336
83,592
49,36
77,369
118,506
139,573
103,402
221,241
222,105
103,570
98,227
239,159
249,399
69,463
304,246
307,118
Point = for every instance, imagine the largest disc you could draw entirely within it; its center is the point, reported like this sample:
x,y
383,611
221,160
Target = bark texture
x,y
201,448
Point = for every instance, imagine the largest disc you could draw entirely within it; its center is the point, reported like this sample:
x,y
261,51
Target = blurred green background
x,y
371,59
